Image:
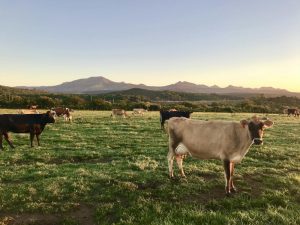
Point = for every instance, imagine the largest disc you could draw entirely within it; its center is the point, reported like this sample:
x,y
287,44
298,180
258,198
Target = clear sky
x,y
157,42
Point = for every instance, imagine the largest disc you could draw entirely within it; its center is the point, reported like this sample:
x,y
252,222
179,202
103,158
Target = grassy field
x,y
98,170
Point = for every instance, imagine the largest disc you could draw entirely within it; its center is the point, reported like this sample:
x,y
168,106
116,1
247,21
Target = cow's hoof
x,y
233,190
229,194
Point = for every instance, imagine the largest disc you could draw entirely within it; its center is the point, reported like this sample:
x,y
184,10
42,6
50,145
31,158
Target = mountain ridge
x,y
100,84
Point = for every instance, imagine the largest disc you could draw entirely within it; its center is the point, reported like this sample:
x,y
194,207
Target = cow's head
x,y
256,128
49,117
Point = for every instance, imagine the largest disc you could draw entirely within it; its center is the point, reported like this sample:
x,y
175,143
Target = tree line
x,y
21,98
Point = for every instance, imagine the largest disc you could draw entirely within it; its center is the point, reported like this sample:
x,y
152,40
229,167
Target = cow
x,y
224,140
29,111
138,111
165,115
62,111
119,112
24,123
295,112
32,106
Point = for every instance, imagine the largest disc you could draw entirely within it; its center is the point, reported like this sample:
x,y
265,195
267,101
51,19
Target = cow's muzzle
x,y
257,141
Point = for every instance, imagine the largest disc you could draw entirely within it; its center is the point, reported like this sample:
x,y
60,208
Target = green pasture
x,y
102,170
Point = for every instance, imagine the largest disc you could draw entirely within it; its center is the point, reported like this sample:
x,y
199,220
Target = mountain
x,y
92,84
99,84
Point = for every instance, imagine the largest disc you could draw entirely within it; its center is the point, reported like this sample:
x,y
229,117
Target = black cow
x,y
165,115
24,123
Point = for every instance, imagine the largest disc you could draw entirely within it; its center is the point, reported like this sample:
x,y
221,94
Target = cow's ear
x,y
268,123
244,123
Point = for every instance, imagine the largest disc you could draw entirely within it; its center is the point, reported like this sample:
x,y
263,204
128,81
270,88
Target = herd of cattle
x,y
227,141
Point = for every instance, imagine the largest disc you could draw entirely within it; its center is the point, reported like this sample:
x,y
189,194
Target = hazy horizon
x,y
152,84
250,44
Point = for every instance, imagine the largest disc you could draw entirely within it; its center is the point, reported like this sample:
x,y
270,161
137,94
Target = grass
x,y
98,170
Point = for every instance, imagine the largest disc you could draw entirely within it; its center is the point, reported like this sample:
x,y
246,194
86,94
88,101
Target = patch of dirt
x,y
149,185
205,197
252,183
253,187
83,214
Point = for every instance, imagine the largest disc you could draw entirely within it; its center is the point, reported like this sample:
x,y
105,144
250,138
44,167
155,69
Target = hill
x,y
149,95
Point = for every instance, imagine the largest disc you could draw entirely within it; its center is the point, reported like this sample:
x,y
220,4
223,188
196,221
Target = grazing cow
x,y
228,141
24,123
294,112
32,106
29,111
61,111
165,115
138,111
119,112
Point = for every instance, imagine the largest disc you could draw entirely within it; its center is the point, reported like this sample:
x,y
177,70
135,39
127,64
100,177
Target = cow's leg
x,y
179,160
31,138
232,187
38,139
1,138
8,141
227,176
170,163
162,123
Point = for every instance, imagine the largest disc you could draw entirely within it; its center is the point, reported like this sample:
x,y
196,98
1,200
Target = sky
x,y
156,42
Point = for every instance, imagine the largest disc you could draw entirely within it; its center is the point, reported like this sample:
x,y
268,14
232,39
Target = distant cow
x,y
24,123
139,111
295,112
29,111
165,115
32,106
62,111
119,112
224,140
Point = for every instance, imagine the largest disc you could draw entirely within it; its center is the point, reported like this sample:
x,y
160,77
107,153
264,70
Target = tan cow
x,y
119,112
224,140
139,111
29,111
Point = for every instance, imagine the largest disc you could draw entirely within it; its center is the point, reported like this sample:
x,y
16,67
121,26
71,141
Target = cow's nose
x,y
258,141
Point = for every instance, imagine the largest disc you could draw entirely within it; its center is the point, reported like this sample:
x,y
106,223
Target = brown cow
x,y
62,111
293,111
24,123
224,140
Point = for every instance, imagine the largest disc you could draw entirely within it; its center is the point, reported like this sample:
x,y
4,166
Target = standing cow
x,y
293,111
227,141
62,111
24,123
139,111
119,112
165,115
